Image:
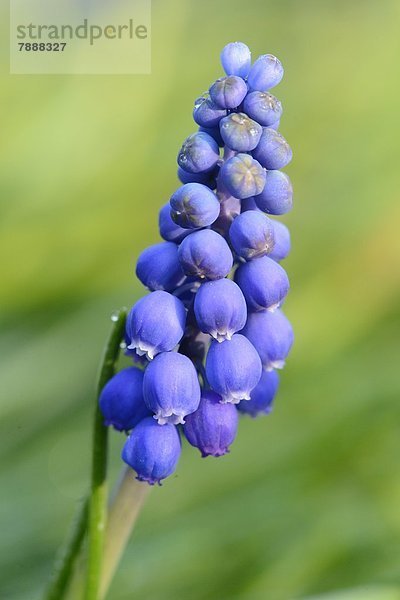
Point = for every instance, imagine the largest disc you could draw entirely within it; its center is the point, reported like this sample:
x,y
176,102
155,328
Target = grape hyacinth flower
x,y
207,178
243,176
156,323
205,254
152,450
236,59
264,283
249,204
220,309
239,132
228,92
121,400
282,243
171,389
262,396
199,153
271,335
213,427
158,267
263,108
206,114
169,230
193,206
277,195
252,235
272,152
265,73
229,209
208,338
215,133
233,368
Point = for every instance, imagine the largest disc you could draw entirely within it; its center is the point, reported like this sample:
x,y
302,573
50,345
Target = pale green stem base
x,y
127,502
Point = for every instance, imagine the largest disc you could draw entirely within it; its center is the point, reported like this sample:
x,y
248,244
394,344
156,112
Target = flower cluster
x,y
216,284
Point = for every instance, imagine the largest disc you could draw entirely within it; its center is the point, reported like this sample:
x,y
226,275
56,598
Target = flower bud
x,y
121,400
275,126
271,335
242,176
248,204
282,241
266,73
273,152
233,368
208,178
236,59
171,388
229,209
264,283
263,108
239,132
152,450
277,195
156,323
205,254
194,205
206,113
215,133
220,309
199,153
252,235
228,92
262,396
213,427
170,231
158,267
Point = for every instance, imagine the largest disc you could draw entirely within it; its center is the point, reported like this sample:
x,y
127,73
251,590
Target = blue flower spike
x,y
210,335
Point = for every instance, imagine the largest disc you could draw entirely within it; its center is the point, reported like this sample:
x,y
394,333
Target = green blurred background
x,y
307,505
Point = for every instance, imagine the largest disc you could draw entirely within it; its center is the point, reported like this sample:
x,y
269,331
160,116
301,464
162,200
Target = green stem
x,y
65,563
98,493
125,506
